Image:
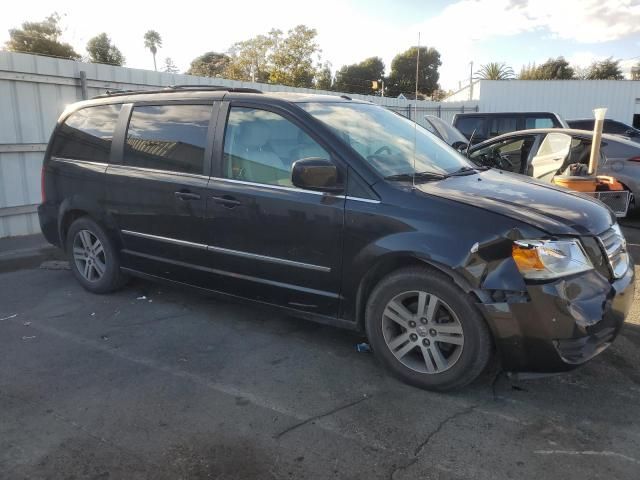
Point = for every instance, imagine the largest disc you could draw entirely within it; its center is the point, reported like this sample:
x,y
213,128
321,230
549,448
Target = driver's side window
x,y
261,146
508,155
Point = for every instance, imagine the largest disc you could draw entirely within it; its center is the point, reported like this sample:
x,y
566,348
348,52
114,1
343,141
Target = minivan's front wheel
x,y
92,257
426,331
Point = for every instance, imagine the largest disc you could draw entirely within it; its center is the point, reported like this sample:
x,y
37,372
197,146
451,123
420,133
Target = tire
x,y
93,258
446,347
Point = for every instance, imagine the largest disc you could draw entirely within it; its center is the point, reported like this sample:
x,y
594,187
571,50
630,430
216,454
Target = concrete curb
x,y
29,251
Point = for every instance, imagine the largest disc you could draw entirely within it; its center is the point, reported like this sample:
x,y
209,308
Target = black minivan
x,y
485,125
339,211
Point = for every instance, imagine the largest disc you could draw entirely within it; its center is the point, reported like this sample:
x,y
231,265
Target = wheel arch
x,y
73,208
394,262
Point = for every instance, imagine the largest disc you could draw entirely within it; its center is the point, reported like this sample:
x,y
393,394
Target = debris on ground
x,y
143,297
29,338
363,347
93,314
26,324
9,317
55,265
104,337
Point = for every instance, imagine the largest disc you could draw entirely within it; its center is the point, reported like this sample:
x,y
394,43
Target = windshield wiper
x,y
417,175
466,171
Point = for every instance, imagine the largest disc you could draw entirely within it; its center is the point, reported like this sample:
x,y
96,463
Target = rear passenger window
x,y
500,125
261,146
582,125
86,134
168,137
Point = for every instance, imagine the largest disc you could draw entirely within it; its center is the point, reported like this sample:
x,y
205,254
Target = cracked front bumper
x,y
562,324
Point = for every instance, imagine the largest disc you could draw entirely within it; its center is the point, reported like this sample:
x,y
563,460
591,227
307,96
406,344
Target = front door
x,y
156,188
268,240
551,155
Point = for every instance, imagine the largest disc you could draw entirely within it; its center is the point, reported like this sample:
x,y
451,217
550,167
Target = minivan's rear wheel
x,y
92,257
426,331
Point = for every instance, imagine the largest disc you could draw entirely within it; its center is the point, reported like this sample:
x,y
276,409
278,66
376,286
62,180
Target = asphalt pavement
x,y
155,382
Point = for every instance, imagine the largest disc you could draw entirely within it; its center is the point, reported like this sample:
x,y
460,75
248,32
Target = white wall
x,y
569,98
34,90
464,93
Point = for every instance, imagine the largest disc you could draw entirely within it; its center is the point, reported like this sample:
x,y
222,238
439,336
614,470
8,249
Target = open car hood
x,y
552,209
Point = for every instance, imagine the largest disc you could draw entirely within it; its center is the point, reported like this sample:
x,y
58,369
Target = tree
x,y
249,59
556,69
324,78
440,95
608,69
153,41
101,50
292,57
552,69
41,38
358,77
528,72
495,71
403,72
169,66
276,58
209,64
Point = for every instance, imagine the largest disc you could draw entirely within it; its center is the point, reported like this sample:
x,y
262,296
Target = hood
x,y
552,209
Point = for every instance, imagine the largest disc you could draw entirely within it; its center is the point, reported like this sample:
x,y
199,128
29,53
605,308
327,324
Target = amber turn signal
x,y
527,258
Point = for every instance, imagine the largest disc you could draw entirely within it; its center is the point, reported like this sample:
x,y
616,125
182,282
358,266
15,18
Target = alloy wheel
x,y
89,256
422,332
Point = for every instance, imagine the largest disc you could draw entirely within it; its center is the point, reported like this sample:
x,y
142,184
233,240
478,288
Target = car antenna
x,y
415,117
470,140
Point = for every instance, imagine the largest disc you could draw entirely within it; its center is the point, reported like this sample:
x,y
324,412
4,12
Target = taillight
x,y
42,193
634,159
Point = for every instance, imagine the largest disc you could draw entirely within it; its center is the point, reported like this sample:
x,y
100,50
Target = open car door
x,y
551,156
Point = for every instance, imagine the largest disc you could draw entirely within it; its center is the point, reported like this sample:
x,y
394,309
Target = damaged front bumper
x,y
559,325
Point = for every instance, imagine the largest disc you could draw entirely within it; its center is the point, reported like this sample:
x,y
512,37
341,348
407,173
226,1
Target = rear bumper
x,y
48,216
561,324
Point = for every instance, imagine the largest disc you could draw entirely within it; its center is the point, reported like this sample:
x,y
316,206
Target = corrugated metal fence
x,y
34,90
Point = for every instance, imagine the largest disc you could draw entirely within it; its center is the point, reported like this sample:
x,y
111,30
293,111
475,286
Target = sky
x,y
516,32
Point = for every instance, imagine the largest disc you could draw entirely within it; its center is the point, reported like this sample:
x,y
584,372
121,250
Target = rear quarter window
x,y
538,122
86,134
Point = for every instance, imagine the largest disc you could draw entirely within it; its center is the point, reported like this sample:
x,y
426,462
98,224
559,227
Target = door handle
x,y
186,196
227,201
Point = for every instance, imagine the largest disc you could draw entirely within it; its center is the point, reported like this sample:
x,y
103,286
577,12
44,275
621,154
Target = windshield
x,y
386,140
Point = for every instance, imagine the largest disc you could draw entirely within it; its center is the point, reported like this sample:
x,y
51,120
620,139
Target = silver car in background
x,y
541,153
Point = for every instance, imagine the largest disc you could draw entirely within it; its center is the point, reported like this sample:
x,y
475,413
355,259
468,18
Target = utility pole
x,y
471,80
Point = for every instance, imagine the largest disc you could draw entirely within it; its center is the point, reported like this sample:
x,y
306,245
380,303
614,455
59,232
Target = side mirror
x,y
315,173
630,133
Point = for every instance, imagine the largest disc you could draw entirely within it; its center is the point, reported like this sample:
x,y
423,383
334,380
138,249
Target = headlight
x,y
545,259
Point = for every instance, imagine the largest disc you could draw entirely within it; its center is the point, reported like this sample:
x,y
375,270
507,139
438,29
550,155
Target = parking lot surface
x,y
157,382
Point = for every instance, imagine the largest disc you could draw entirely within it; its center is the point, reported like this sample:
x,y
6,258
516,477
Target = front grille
x,y
615,249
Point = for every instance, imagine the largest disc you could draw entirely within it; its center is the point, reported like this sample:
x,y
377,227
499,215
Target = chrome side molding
x,y
228,251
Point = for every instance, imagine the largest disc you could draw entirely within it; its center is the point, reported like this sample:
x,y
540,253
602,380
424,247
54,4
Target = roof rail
x,y
213,87
174,88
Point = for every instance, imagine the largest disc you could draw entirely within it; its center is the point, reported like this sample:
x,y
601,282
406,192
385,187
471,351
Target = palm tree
x,y
153,41
495,71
